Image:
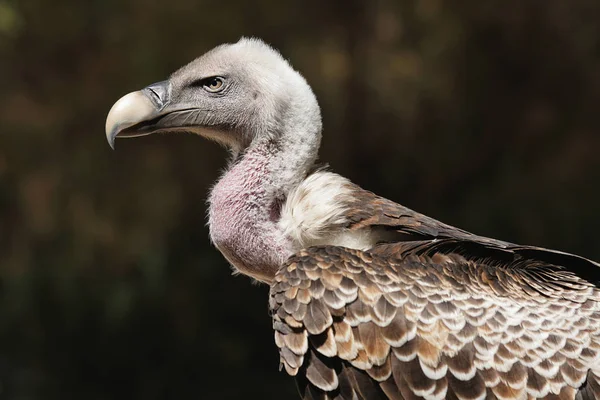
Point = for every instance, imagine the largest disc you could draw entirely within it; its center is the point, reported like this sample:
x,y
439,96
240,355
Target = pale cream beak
x,y
128,111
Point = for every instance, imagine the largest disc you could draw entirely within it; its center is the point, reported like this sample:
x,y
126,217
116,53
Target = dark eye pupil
x,y
214,82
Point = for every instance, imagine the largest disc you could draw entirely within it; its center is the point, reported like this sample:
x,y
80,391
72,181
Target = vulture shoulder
x,y
437,314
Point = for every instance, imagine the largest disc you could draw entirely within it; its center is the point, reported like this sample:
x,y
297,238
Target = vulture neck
x,y
245,205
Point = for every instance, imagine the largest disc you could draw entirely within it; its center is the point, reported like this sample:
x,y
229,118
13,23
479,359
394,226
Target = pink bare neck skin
x,y
242,221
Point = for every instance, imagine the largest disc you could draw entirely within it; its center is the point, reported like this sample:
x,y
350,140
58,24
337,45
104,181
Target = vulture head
x,y
235,94
247,97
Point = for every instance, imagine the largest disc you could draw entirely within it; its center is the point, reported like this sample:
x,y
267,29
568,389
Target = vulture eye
x,y
214,84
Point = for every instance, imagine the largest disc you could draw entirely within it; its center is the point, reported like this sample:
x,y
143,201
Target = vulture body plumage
x,y
369,299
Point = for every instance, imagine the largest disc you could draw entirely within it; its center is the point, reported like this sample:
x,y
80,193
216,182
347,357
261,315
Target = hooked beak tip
x,y
111,142
129,110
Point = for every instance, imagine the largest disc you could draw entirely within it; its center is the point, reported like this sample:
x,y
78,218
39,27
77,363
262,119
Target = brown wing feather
x,y
367,210
434,324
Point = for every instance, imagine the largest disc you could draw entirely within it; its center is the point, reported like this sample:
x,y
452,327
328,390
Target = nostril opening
x,y
156,96
158,93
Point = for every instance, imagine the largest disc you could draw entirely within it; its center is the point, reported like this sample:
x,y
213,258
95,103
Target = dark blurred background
x,y
481,113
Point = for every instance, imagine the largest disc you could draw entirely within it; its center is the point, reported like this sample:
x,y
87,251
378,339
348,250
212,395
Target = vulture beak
x,y
138,113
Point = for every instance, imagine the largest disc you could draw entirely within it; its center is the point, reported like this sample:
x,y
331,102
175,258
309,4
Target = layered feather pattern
x,y
354,324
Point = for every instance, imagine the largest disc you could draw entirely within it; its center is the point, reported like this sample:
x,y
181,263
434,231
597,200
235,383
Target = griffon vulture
x,y
369,299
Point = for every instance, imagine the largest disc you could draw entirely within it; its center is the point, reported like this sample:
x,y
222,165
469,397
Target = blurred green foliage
x,y
482,114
